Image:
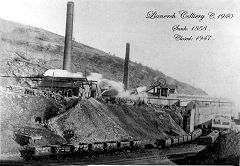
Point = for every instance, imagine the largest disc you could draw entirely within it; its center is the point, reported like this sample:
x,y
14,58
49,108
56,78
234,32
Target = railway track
x,y
155,159
154,156
128,160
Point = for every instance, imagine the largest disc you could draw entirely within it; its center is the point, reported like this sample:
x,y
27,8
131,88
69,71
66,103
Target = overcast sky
x,y
212,65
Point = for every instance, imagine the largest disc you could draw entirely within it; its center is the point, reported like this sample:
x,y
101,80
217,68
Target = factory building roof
x,y
165,86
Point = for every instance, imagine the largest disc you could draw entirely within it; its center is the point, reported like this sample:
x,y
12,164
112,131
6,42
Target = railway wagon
x,y
136,145
174,141
81,149
189,138
29,153
113,147
185,138
97,148
180,139
196,133
164,143
210,138
64,150
125,145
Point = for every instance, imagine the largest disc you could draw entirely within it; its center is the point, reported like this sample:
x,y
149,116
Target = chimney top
x,y
70,3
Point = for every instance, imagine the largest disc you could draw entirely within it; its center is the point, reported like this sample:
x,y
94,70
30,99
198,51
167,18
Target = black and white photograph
x,y
119,82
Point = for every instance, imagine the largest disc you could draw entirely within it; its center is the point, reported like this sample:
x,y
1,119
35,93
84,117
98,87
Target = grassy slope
x,y
26,50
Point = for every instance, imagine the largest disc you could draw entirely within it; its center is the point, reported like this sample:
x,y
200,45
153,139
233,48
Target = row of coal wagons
x,y
112,147
80,150
164,143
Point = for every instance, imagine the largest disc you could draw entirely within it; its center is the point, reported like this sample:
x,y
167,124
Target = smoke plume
x,y
110,84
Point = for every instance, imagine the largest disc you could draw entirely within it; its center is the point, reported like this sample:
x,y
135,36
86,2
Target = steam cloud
x,y
110,84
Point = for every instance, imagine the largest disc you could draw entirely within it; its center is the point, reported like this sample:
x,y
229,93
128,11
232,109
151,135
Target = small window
x,y
172,91
164,92
216,122
93,92
70,93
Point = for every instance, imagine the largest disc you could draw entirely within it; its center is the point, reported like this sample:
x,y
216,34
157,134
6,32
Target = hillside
x,y
19,111
28,51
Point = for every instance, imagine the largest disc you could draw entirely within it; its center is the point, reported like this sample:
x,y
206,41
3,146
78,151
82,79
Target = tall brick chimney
x,y
68,37
125,77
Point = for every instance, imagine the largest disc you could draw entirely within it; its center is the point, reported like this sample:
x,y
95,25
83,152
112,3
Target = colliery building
x,y
70,86
162,94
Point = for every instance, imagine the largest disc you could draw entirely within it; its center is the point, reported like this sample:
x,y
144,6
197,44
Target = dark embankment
x,y
92,120
20,111
225,151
